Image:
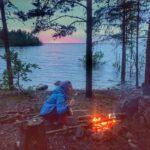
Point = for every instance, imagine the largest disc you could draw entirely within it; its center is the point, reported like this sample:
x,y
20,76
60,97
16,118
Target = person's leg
x,y
63,118
51,117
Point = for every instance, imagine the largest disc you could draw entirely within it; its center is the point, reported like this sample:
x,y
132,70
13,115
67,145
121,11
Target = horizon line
x,y
63,43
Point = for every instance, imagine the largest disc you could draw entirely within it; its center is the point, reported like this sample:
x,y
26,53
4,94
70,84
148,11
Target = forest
x,y
21,38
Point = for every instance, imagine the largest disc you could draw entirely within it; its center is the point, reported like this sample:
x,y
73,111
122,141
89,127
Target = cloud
x,y
46,37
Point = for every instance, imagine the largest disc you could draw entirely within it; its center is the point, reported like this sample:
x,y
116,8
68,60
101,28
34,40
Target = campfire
x,y
102,123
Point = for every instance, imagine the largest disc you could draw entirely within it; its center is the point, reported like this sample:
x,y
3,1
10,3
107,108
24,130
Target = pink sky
x,y
46,38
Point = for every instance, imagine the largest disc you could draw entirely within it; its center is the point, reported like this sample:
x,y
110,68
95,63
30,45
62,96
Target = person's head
x,y
66,85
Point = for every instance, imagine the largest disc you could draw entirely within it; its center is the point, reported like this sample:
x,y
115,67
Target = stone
x,y
129,135
147,116
89,132
142,121
79,132
97,136
130,107
133,146
42,87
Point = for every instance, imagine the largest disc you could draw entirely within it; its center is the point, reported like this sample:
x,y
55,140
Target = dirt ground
x,y
104,101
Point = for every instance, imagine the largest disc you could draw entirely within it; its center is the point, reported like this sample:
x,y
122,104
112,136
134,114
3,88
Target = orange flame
x,y
103,123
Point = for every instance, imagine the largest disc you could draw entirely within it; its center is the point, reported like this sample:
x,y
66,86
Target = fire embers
x,y
100,123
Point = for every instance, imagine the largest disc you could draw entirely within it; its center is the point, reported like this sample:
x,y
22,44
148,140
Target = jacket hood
x,y
63,88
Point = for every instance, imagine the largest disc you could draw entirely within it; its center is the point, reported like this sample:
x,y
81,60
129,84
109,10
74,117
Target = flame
x,y
103,123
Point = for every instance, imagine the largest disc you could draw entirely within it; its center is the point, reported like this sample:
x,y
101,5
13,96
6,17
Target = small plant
x,y
117,66
20,71
96,58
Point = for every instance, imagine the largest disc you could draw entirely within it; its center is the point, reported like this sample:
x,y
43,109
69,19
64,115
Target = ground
x,y
104,101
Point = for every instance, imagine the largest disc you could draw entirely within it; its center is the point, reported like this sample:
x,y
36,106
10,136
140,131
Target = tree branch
x,y
80,4
77,21
75,17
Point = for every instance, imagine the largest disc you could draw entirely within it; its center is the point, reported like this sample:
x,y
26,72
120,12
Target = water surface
x,y
61,62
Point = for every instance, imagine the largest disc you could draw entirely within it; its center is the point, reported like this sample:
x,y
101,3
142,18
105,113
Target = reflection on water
x,y
61,62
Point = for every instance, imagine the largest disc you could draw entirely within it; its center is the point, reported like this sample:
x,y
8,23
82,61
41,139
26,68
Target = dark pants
x,y
55,117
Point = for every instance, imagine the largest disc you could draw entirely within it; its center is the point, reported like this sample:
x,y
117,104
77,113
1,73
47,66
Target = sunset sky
x,y
46,36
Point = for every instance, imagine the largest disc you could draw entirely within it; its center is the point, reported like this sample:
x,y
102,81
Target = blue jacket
x,y
56,100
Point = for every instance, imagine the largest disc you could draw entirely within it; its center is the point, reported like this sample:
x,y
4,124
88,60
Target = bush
x,y
97,59
20,70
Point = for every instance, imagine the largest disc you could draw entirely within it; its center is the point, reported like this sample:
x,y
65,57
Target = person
x,y
56,107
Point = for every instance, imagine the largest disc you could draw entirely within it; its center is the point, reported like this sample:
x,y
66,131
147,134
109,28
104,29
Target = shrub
x,y
20,70
96,57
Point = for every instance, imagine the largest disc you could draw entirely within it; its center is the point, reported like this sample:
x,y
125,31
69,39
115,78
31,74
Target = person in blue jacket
x,y
56,107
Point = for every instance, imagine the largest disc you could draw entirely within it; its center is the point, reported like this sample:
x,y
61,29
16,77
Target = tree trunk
x,y
123,67
33,135
89,50
146,87
6,45
137,44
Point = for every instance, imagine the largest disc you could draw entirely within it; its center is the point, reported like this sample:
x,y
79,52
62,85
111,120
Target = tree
x,y
89,50
137,43
6,44
123,68
125,15
146,86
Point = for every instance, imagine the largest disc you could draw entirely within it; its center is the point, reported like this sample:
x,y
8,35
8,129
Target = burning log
x,y
99,123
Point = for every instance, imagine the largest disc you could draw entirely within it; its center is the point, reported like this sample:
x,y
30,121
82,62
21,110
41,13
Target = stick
x,y
83,110
65,129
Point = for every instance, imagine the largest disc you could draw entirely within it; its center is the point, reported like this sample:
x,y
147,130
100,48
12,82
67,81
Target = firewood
x,y
64,129
81,110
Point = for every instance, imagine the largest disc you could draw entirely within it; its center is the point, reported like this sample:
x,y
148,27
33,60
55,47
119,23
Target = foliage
x,y
96,57
20,70
21,38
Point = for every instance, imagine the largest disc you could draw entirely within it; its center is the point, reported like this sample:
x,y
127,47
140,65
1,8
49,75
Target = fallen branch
x,y
65,129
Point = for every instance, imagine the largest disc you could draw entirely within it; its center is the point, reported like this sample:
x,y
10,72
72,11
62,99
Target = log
x,y
33,135
65,129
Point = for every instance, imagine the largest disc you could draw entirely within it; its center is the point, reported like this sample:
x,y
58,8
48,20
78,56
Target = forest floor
x,y
104,101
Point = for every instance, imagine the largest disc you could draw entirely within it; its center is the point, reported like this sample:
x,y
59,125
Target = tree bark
x,y
89,50
6,45
123,66
137,43
33,135
146,86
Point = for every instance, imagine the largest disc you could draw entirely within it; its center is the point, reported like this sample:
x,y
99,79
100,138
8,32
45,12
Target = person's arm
x,y
61,105
71,102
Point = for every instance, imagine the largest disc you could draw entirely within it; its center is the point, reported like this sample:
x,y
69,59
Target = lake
x,y
61,62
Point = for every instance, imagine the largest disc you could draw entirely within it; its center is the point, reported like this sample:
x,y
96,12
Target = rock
x,y
89,132
142,121
74,138
147,116
130,107
133,146
97,136
17,145
2,132
71,120
108,136
79,132
129,140
129,135
123,130
144,111
42,87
